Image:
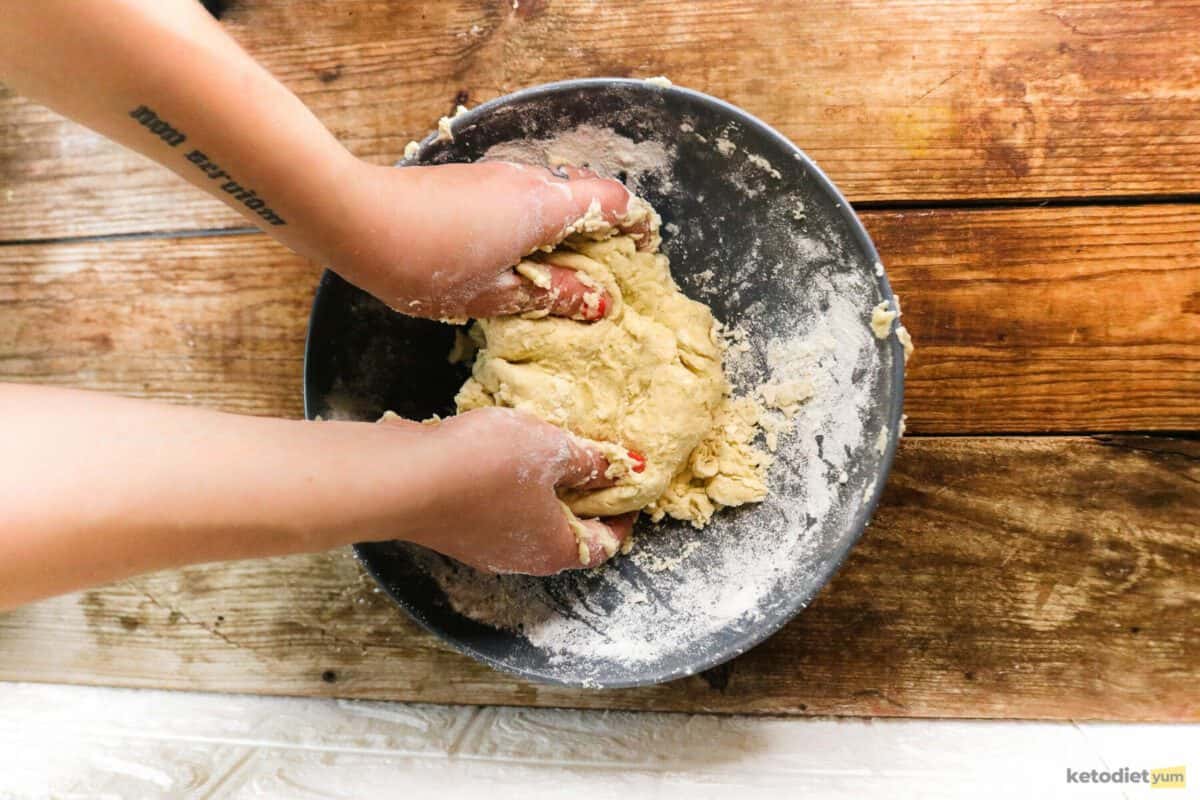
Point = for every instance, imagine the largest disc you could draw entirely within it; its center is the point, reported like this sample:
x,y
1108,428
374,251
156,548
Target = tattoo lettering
x,y
248,197
162,130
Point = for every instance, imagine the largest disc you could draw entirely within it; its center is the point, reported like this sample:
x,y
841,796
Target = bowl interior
x,y
755,230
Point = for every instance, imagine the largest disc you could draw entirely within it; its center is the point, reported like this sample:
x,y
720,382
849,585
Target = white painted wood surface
x,y
68,741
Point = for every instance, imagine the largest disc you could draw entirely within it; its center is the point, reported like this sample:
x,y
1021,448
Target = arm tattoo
x,y
246,196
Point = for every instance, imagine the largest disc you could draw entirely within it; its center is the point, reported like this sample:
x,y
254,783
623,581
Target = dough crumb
x,y
764,165
905,341
671,563
660,81
879,268
786,396
725,147
773,425
445,132
462,350
535,273
734,339
591,304
411,149
592,224
881,441
881,320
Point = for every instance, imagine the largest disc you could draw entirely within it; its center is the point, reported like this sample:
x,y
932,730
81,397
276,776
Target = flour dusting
x,y
600,149
809,359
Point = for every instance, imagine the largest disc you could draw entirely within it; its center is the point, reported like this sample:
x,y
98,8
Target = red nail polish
x,y
639,461
601,308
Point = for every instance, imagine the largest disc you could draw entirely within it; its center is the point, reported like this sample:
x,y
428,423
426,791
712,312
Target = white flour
x,y
600,149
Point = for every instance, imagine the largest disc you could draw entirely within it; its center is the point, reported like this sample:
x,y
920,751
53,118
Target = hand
x,y
441,241
493,503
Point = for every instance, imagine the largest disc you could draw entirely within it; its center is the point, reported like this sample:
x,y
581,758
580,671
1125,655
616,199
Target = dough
x,y
881,320
445,132
647,378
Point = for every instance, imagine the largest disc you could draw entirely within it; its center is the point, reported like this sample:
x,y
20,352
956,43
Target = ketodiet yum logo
x,y
1158,778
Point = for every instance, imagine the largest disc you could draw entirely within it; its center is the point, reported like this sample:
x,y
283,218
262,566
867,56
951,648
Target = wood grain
x,y
1041,578
908,101
1026,320
210,321
1037,320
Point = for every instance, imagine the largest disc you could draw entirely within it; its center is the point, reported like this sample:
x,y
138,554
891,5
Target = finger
x,y
563,294
508,293
573,296
605,537
642,232
611,195
585,467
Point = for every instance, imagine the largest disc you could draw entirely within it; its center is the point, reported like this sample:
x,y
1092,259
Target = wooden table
x,y
1029,173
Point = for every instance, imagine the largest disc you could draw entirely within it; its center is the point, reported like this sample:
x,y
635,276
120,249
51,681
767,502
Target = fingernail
x,y
601,308
639,461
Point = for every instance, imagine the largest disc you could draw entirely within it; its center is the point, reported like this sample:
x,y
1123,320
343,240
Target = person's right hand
x,y
491,503
442,241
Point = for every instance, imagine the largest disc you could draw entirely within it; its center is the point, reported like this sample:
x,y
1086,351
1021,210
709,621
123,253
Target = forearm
x,y
163,78
96,488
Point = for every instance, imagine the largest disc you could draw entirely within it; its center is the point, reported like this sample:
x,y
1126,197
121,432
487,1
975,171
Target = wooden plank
x,y
1039,320
212,321
908,101
1048,578
1026,320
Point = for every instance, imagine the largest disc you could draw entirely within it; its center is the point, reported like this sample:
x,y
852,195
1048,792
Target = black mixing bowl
x,y
754,229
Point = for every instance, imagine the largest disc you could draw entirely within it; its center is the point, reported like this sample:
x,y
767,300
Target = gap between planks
x,y
965,204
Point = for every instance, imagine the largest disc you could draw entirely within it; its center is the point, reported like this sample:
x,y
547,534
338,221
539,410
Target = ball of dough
x,y
648,378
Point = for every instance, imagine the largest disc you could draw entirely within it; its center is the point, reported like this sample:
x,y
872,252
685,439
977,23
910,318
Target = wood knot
x,y
719,676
